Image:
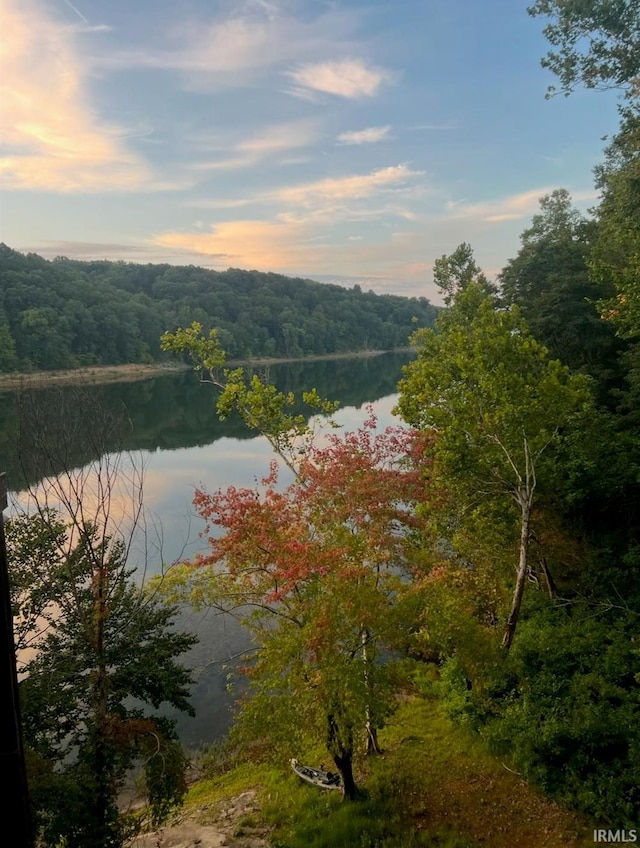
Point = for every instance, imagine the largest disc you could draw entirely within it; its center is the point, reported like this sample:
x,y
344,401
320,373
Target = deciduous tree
x,y
318,570
103,654
107,656
496,404
550,281
597,42
258,403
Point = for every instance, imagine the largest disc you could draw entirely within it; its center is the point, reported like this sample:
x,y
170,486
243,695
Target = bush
x,y
572,722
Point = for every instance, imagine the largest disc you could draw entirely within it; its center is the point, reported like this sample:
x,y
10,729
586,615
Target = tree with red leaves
x,y
319,570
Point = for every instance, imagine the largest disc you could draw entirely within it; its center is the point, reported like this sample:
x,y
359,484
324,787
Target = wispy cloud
x,y
133,251
232,49
368,136
300,235
77,11
511,208
217,203
271,141
352,79
354,187
51,137
335,199
250,244
393,260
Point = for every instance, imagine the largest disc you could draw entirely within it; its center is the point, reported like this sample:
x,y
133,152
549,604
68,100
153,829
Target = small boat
x,y
317,777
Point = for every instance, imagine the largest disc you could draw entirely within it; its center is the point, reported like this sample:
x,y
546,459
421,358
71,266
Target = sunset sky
x,y
341,140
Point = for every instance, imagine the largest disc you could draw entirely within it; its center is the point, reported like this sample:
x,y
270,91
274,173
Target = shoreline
x,y
131,372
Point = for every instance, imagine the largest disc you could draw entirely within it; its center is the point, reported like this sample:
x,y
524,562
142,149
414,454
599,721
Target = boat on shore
x,y
316,777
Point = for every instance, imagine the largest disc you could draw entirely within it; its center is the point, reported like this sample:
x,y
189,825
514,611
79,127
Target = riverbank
x,y
131,372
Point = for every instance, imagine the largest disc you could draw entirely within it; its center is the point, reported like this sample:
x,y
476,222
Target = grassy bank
x,y
433,786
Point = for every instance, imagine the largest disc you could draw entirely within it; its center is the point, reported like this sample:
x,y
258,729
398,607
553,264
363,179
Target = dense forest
x,y
481,560
65,313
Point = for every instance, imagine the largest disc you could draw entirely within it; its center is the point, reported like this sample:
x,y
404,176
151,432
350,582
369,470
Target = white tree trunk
x,y
523,567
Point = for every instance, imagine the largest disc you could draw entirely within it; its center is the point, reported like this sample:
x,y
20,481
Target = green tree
x,y
67,313
8,356
258,403
318,565
616,253
497,405
550,281
597,42
107,655
36,566
453,274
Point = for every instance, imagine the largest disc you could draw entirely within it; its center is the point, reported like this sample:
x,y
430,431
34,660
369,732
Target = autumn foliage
x,y
319,569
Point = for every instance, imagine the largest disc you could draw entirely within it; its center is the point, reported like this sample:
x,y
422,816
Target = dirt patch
x,y
500,812
232,823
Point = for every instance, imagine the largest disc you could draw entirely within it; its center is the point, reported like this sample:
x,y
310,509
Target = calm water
x,y
170,425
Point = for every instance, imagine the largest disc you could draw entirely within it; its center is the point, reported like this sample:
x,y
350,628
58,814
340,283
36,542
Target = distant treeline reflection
x,y
43,430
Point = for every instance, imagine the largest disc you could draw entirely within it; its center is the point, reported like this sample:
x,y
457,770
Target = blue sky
x,y
344,141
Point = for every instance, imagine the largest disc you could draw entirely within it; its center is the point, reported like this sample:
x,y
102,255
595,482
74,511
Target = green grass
x,y
233,782
434,786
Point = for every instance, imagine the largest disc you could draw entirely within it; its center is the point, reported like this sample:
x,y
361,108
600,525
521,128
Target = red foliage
x,y
347,514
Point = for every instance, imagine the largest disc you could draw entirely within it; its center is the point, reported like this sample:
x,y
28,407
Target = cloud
x,y
52,139
368,136
250,244
302,248
336,198
234,49
280,137
221,48
511,208
213,203
495,211
273,140
356,187
351,79
354,198
126,252
77,11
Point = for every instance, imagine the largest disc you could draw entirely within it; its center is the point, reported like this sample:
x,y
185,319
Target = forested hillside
x,y
64,313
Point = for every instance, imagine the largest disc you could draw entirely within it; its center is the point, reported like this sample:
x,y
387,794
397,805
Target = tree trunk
x,y
341,750
372,746
516,603
104,790
548,578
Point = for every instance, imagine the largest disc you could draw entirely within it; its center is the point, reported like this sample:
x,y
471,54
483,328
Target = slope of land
x,y
434,785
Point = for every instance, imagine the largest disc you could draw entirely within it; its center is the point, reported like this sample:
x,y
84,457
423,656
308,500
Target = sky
x,y
343,141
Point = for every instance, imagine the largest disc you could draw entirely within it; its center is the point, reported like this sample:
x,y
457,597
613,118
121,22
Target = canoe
x,y
317,777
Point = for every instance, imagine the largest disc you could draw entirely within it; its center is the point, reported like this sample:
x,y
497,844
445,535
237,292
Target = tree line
x,y
66,313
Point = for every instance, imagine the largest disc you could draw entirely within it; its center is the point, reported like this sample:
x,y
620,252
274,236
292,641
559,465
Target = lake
x,y
174,434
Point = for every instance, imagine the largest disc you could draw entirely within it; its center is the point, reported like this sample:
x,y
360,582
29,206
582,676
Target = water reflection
x,y
171,424
169,412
